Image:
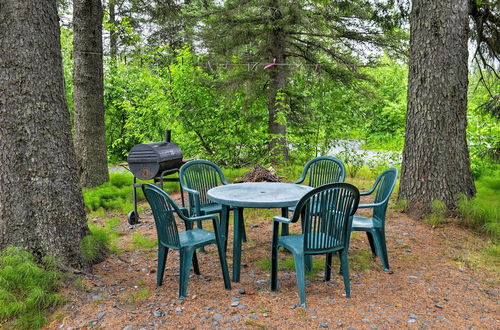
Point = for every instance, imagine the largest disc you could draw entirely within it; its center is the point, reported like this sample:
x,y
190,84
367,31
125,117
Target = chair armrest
x,y
299,181
203,217
191,191
367,206
282,219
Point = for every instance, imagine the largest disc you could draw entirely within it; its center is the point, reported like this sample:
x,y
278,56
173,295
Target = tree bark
x,y
41,204
436,163
88,92
277,145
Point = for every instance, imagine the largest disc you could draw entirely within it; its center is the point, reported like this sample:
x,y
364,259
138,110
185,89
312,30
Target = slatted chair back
x,y
201,175
163,213
323,170
326,217
384,185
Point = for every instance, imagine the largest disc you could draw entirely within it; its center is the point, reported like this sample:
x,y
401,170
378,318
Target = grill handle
x,y
168,135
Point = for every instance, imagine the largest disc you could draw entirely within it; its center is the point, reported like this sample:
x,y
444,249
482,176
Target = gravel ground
x,y
426,288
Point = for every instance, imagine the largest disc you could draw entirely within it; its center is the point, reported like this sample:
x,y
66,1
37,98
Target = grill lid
x,y
149,160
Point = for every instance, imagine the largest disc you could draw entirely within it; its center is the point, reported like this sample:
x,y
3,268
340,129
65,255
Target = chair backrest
x,y
163,210
326,214
323,170
384,185
201,175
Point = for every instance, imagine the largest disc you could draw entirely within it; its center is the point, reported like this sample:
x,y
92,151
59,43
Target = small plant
x,y
27,290
437,216
400,205
137,297
79,284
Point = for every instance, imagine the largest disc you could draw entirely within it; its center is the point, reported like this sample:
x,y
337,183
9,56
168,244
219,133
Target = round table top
x,y
258,194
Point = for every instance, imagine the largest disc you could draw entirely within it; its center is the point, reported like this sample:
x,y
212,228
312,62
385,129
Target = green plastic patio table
x,y
252,195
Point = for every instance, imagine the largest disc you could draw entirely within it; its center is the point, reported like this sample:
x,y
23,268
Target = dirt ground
x,y
428,286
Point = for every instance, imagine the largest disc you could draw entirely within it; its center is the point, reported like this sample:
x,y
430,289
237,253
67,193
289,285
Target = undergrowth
x,y
103,238
437,217
27,290
482,212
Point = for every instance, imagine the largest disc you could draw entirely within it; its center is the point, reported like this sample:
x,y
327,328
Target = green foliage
x,y
27,290
384,142
438,213
482,213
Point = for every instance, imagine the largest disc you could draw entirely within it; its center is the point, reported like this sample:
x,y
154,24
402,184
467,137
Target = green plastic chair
x,y
326,214
164,207
196,178
322,170
374,226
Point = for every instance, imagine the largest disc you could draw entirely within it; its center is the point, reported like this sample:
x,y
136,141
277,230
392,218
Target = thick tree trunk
x,y
277,74
41,204
436,161
88,92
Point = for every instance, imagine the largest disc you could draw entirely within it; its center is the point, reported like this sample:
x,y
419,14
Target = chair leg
x,y
383,249
223,264
162,258
328,266
300,274
274,268
308,262
185,266
200,226
369,235
345,272
196,266
285,230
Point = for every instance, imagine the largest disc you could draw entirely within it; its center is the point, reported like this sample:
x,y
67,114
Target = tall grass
x,y
482,212
27,290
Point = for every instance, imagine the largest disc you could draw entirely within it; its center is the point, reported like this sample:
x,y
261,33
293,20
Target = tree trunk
x,y
41,204
88,92
277,74
436,163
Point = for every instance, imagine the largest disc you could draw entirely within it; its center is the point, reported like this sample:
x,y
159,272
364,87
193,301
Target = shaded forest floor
x,y
441,278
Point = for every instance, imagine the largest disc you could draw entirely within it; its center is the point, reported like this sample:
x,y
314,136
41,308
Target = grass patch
x,y
27,290
438,212
141,242
137,297
481,213
117,194
79,284
103,238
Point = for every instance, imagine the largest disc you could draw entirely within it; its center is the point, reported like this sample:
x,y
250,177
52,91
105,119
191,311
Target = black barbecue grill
x,y
153,161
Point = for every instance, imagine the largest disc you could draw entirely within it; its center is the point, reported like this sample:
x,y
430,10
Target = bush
x,y
27,290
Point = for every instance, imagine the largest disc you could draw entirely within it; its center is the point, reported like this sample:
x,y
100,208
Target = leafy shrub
x,y
27,290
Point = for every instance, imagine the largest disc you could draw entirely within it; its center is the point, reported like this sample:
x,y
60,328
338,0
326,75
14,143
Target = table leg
x,y
284,228
224,225
238,222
